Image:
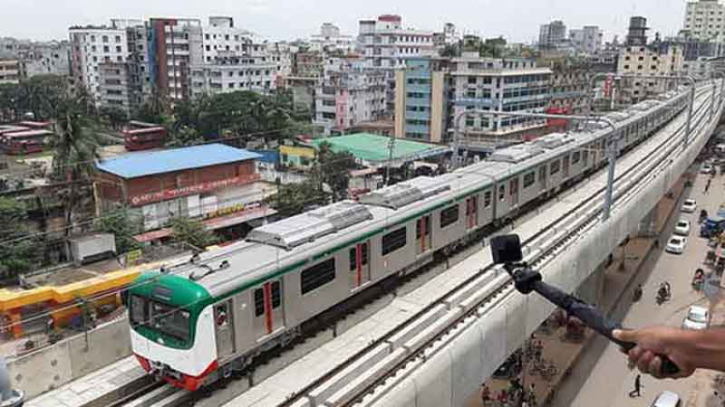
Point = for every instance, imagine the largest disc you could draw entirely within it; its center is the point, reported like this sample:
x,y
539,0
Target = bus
x,y
24,142
144,136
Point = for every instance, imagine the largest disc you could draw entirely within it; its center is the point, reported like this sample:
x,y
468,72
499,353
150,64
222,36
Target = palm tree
x,y
75,152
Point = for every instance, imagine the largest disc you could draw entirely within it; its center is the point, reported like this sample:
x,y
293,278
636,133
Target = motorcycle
x,y
698,280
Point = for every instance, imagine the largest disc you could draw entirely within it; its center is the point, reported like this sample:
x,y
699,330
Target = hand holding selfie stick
x,y
506,250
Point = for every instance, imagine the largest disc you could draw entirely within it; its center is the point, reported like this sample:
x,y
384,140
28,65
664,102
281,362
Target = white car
x,y
667,399
682,228
706,169
697,318
676,245
689,206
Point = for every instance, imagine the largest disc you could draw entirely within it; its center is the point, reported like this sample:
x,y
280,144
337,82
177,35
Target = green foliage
x,y
154,110
335,170
123,226
185,136
115,116
18,249
192,232
293,199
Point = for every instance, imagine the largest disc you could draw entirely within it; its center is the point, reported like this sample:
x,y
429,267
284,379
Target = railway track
x,y
156,394
331,387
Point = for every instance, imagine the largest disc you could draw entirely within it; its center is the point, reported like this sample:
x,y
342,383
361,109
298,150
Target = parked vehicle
x,y
689,206
682,227
697,318
667,399
712,226
676,245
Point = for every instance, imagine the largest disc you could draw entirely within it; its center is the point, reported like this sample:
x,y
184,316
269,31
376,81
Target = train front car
x,y
172,329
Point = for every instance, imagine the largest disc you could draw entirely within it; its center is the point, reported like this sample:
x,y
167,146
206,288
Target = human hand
x,y
654,342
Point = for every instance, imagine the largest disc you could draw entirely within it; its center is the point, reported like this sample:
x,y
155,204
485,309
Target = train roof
x,y
405,193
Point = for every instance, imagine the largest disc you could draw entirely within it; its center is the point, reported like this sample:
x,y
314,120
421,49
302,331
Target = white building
x,y
643,60
705,19
331,40
449,36
93,45
349,93
386,44
505,85
552,35
9,71
587,40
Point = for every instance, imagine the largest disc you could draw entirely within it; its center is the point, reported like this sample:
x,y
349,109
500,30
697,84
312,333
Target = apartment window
x,y
105,38
208,48
317,276
206,36
93,48
394,241
118,38
118,48
449,216
93,38
106,49
472,80
639,67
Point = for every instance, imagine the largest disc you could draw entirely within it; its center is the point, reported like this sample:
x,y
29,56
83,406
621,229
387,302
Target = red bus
x,y
24,142
144,136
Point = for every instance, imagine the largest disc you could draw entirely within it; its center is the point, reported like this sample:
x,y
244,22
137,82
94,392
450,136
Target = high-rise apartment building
x,y
552,35
93,45
644,60
386,44
705,19
421,101
349,93
175,46
587,40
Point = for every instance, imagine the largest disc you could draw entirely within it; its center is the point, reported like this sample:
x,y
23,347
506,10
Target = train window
x,y
585,155
501,193
393,241
258,302
170,321
542,174
276,294
555,166
317,276
575,157
425,219
449,216
139,310
221,317
363,256
529,179
487,199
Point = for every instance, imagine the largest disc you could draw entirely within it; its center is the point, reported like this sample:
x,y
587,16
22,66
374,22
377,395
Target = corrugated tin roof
x,y
159,162
371,147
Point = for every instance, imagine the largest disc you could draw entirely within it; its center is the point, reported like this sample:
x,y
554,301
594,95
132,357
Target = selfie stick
x,y
507,250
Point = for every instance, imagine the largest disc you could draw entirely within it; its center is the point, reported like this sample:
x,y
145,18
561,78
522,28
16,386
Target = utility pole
x,y
391,149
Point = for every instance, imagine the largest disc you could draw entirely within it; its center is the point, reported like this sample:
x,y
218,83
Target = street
x,y
607,381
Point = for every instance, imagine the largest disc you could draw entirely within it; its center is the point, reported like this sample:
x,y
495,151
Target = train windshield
x,y
166,319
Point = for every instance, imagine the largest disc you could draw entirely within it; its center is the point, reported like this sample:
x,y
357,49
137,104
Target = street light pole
x,y
612,140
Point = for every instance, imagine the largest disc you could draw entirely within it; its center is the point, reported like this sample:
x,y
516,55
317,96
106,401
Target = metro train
x,y
195,322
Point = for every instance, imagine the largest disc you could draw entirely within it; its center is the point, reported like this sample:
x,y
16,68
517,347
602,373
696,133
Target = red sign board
x,y
168,194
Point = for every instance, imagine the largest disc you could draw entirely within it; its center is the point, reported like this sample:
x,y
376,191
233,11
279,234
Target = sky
x,y
516,20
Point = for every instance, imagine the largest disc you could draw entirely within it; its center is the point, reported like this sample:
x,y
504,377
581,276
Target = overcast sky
x,y
517,20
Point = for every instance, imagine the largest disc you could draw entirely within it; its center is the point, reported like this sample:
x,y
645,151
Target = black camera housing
x,y
506,249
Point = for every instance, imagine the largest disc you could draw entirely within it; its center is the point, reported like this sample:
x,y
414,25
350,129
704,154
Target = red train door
x,y
360,264
423,235
471,212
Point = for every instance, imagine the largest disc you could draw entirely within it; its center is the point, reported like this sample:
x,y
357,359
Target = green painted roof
x,y
372,147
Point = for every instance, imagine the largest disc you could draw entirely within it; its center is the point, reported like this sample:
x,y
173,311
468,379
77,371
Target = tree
x,y
192,232
115,116
17,247
335,170
123,227
185,136
9,97
451,50
75,152
293,199
41,95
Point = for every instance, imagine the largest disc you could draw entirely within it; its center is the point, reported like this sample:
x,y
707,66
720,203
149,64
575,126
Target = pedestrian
x,y
637,392
707,186
485,395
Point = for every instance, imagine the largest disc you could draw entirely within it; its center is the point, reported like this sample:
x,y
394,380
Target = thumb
x,y
626,336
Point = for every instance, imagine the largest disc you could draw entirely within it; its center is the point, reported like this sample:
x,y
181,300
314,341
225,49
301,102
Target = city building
x,y
421,101
10,71
330,40
570,82
503,85
449,36
307,64
175,46
93,45
586,40
115,87
349,93
637,33
233,73
692,47
552,35
215,183
37,58
644,60
705,19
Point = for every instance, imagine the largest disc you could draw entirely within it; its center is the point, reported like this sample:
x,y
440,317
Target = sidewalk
x,y
618,276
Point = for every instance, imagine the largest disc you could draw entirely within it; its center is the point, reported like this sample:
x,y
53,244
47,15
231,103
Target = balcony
x,y
463,101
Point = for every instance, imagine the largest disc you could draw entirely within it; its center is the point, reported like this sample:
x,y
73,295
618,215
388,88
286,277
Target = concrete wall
x,y
453,372
67,360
